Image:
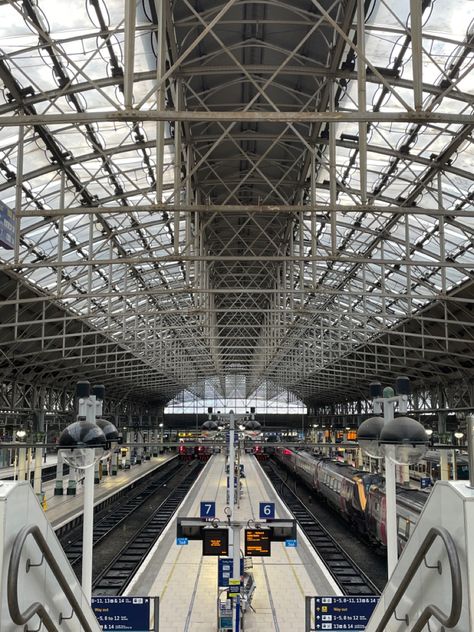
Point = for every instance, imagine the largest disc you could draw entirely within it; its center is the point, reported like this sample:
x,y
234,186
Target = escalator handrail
x,y
431,610
21,618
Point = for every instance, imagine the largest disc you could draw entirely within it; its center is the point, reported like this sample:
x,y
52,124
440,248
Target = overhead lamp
x,y
160,425
82,434
21,434
408,438
429,431
368,436
458,435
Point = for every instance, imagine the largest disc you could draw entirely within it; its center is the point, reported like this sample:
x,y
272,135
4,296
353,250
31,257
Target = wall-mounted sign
x,y
343,613
7,227
127,614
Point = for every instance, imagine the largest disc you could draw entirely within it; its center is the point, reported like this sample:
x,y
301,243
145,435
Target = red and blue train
x,y
357,495
188,452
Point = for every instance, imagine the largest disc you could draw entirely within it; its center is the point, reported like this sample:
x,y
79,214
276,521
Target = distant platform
x,y
64,509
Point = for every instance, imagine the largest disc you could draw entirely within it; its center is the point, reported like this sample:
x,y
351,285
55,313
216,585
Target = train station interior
x,y
236,315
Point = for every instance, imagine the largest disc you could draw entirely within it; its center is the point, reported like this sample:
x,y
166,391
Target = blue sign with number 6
x,y
267,511
208,509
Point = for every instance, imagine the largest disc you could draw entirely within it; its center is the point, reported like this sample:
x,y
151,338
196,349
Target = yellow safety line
x,y
170,574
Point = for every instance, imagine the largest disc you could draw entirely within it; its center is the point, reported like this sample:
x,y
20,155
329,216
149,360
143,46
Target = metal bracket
x,y
438,565
405,618
29,564
63,618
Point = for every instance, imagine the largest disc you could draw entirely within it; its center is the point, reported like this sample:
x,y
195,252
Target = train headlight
x,y
368,436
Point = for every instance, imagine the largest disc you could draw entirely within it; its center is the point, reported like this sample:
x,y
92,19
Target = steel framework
x,y
280,191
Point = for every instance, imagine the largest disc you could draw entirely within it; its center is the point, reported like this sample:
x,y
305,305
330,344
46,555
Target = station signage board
x,y
215,541
126,614
338,614
225,570
258,542
7,227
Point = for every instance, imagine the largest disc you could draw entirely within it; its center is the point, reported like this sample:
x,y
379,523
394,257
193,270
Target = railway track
x,y
121,510
350,578
116,576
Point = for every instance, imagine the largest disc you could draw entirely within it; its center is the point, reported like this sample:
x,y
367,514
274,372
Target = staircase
x,y
38,589
432,587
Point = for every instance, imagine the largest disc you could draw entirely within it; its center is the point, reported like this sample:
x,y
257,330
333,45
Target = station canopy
x,y
277,190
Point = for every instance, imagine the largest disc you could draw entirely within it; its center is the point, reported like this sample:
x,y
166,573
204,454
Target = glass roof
x,y
283,252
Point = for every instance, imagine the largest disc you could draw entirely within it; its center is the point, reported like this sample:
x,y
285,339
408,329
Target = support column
x,y
115,462
128,456
59,484
97,472
454,458
155,439
443,454
37,482
21,464
88,525
72,482
139,449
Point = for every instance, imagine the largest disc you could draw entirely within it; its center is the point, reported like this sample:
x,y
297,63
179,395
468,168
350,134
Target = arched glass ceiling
x,y
281,190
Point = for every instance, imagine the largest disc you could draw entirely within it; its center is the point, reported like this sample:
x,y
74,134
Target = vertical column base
x,y
58,488
71,488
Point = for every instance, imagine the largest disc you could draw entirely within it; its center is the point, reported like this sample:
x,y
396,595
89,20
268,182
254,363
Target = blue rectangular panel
x,y
182,541
291,543
425,482
208,509
127,614
343,613
225,570
267,511
7,227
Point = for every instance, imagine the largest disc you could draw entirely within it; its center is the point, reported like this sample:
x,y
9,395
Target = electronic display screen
x,y
215,541
258,542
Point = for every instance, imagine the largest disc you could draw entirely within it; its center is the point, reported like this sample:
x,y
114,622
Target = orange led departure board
x,y
257,542
215,541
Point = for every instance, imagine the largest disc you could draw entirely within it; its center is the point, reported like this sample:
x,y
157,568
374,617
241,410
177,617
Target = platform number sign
x,y
267,511
208,509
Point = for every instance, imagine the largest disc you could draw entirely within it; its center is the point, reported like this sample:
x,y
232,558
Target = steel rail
x,y
37,608
446,620
117,575
238,116
349,577
121,509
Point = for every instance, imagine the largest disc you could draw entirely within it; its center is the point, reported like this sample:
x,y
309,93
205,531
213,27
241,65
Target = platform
x,y
63,509
186,582
7,472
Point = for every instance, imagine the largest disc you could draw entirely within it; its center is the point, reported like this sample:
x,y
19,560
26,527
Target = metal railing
x,y
38,609
446,620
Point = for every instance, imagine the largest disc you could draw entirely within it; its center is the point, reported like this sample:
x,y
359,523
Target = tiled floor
x,y
186,582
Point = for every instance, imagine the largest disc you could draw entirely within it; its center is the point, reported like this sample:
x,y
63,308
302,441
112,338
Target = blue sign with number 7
x,y
267,511
208,509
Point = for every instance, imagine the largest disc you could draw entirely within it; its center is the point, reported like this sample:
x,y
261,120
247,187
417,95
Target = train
x,y
429,466
260,453
188,452
357,495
